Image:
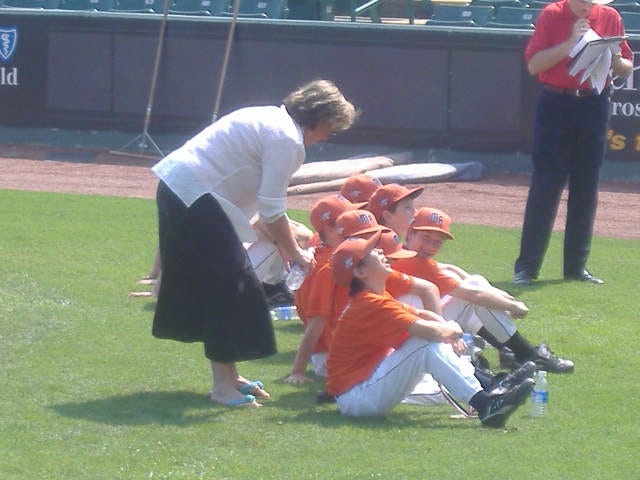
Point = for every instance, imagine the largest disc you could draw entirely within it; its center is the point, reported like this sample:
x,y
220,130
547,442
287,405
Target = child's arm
x,y
453,270
427,292
435,331
315,326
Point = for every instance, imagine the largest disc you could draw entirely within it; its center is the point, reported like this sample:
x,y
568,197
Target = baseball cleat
x,y
546,360
501,406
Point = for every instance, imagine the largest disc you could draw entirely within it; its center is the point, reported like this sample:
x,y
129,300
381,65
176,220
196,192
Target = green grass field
x,y
88,393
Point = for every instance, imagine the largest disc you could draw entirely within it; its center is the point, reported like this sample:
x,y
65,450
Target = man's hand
x,y
580,28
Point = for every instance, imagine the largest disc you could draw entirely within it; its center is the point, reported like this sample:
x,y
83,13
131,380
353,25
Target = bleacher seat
x,y
95,5
450,15
631,22
625,6
515,17
139,6
199,7
498,4
275,9
539,3
47,4
311,9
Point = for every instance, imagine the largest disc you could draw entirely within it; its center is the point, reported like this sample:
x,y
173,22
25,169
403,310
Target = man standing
x,y
569,138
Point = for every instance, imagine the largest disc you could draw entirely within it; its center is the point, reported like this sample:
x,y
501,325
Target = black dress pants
x,y
568,148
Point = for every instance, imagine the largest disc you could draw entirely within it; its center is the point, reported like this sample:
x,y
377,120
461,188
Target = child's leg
x,y
400,372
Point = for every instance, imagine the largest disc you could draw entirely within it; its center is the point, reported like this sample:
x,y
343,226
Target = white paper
x,y
600,73
592,55
587,37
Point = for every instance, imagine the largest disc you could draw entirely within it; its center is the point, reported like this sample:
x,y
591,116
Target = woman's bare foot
x,y
231,389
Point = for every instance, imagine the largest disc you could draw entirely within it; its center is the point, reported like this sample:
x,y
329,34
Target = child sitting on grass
x,y
381,348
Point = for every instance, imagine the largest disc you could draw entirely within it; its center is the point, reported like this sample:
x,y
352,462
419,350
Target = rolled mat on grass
x,y
315,172
327,176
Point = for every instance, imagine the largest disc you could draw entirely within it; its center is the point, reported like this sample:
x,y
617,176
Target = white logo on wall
x,y
627,108
8,44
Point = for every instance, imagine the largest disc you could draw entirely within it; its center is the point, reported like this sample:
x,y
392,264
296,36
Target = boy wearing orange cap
x,y
314,298
471,300
392,205
359,187
381,348
363,224
320,301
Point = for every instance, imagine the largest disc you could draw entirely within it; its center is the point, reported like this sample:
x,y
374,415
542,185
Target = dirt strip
x,y
497,199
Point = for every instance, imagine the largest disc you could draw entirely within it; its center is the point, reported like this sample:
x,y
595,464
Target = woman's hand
x,y
305,259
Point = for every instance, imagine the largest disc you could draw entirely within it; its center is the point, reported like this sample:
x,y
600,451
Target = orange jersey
x,y
428,269
321,303
322,254
398,284
370,328
320,296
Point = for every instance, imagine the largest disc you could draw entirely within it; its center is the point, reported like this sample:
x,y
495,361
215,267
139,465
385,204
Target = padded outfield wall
x,y
417,86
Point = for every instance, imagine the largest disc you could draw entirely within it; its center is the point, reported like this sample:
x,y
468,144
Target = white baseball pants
x,y
399,373
472,317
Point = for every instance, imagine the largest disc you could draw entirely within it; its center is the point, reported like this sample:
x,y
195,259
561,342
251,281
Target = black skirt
x,y
209,291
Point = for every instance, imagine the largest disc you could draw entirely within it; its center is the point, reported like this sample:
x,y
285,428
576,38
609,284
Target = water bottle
x,y
539,396
285,312
296,275
470,350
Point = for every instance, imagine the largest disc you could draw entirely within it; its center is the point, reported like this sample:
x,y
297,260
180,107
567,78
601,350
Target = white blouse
x,y
245,160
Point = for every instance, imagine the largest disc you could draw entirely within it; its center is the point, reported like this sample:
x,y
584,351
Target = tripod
x,y
144,142
225,62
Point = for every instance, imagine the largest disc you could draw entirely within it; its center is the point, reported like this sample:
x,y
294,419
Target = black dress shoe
x,y
584,276
522,278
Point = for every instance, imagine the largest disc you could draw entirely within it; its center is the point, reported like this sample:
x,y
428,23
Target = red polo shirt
x,y
554,26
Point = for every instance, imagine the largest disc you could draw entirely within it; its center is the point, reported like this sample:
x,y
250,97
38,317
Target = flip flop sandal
x,y
239,402
249,388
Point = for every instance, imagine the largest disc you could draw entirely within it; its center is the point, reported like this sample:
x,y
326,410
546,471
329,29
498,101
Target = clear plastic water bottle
x,y
297,274
295,277
539,395
470,351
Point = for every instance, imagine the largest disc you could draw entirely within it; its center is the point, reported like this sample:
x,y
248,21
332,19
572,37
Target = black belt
x,y
572,92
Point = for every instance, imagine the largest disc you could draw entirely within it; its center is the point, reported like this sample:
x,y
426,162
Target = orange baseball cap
x,y
432,219
391,245
359,187
387,195
348,255
326,210
353,223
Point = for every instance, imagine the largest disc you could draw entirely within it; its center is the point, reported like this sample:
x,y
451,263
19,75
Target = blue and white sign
x,y
8,42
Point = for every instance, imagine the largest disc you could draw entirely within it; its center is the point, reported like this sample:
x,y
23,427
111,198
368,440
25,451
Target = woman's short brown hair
x,y
320,101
